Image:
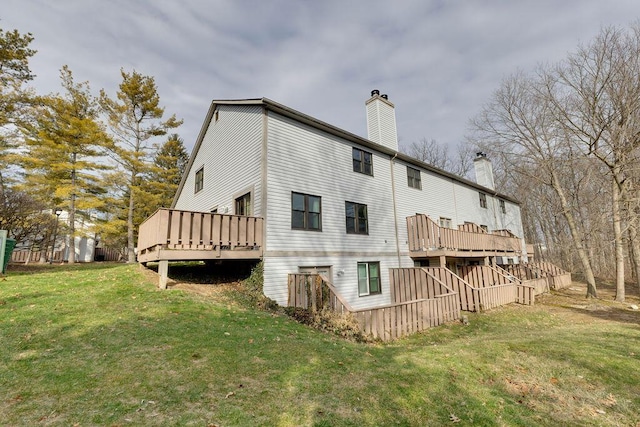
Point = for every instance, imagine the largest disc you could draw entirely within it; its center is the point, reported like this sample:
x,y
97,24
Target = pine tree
x,y
14,98
169,164
64,148
135,118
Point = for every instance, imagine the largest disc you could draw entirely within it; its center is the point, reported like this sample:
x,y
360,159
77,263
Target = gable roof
x,y
281,109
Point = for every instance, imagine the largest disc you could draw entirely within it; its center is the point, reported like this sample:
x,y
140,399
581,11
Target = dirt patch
x,y
572,302
210,290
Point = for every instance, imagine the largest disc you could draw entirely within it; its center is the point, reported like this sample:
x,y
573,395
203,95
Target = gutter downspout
x,y
395,210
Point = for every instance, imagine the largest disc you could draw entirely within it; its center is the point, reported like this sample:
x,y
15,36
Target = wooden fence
x,y
388,322
425,235
185,235
27,256
542,275
483,287
558,278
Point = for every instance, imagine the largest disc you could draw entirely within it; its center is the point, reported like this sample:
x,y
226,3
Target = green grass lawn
x,y
100,345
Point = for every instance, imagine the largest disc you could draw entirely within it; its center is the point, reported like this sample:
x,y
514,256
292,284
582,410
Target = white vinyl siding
x,y
305,160
329,176
231,154
345,276
443,197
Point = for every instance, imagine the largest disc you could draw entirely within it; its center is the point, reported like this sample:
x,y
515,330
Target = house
x,y
87,245
268,182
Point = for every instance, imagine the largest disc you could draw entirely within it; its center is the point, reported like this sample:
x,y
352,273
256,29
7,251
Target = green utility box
x,y
8,248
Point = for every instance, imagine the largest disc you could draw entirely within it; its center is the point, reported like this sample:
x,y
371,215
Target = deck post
x,y
443,261
163,271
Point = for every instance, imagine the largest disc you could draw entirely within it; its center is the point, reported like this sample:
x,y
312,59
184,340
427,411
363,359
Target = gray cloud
x,y
439,61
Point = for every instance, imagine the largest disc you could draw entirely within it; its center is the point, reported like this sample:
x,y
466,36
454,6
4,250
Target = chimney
x,y
381,120
484,170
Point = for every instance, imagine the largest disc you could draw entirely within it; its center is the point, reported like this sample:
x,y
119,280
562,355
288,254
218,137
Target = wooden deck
x,y
428,239
176,235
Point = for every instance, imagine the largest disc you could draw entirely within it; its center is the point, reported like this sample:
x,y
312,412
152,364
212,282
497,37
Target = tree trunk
x,y
635,251
71,259
577,241
131,256
618,240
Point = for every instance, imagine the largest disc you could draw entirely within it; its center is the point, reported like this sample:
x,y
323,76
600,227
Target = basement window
x,y
368,278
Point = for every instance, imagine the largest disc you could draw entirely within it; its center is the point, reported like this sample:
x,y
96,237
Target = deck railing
x,y
483,287
559,278
542,275
183,235
388,322
425,235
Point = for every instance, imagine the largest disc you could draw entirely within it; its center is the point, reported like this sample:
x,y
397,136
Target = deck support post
x,y
443,261
163,271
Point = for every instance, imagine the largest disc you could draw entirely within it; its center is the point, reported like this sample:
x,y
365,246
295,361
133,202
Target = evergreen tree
x,y
64,148
169,164
135,118
14,98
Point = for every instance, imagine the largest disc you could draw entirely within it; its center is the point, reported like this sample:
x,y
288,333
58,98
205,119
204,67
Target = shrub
x,y
251,291
343,325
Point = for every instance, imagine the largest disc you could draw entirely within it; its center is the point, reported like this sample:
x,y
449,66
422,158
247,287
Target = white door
x,y
325,271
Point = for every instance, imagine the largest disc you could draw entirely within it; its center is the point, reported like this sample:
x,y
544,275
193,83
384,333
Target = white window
x,y
445,222
368,278
199,179
483,200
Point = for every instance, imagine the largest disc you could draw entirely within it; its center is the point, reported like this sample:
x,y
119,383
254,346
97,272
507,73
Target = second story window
x,y
503,207
306,212
413,178
199,179
362,161
243,205
483,200
357,220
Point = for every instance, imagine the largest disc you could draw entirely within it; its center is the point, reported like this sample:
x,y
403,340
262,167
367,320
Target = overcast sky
x,y
438,60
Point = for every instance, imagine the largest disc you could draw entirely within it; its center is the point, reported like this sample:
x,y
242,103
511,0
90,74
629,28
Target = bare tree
x,y
598,103
437,155
519,124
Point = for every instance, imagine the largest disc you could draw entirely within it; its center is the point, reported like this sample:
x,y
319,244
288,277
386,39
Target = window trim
x,y
306,212
199,180
356,218
414,181
248,207
446,221
362,163
368,278
483,200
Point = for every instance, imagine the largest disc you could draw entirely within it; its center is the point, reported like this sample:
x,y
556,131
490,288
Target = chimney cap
x,y
481,154
375,92
384,96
